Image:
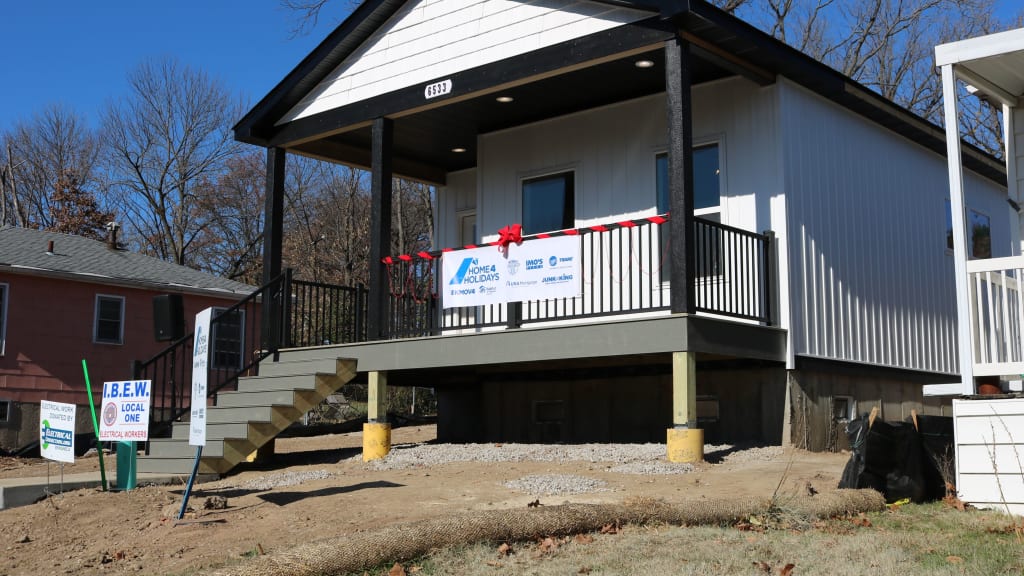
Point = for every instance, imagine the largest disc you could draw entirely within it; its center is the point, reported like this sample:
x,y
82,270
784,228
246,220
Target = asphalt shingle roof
x,y
23,250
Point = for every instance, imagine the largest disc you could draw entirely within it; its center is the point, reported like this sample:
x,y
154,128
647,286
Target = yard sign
x,y
125,413
57,431
200,363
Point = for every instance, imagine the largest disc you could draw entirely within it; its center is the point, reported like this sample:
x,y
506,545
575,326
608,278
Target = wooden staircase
x,y
248,418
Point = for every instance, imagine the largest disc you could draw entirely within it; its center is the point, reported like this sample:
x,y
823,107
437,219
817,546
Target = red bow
x,y
508,235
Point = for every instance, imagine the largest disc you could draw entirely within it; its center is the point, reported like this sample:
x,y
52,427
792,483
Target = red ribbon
x,y
508,235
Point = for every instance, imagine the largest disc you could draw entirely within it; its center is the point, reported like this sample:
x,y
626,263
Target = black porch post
x,y
680,174
380,228
273,214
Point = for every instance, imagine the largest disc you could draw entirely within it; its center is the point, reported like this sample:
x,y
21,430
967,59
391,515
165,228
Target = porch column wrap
x,y
680,174
273,212
380,228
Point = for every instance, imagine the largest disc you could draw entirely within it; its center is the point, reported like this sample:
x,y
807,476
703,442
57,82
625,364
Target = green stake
x,y
95,426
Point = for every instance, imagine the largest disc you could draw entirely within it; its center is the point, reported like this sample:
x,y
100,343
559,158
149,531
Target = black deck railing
x,y
625,270
283,313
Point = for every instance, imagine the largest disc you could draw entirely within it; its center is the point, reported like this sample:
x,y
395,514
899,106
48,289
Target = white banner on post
x,y
533,270
200,363
57,431
474,277
125,415
544,269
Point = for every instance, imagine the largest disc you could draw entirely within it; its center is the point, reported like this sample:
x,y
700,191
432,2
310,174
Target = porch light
x,y
458,150
504,99
644,63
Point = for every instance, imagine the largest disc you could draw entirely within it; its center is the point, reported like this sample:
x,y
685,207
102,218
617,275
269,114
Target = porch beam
x,y
380,227
680,174
273,213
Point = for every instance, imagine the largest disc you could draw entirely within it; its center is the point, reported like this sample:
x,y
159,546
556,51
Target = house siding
x,y
432,39
989,452
869,274
612,151
50,331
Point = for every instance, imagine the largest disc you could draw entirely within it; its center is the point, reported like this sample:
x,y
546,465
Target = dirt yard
x,y
94,532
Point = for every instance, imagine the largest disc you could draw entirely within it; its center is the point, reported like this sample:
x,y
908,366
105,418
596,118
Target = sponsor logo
x,y
557,279
553,261
488,289
564,259
534,263
513,267
110,414
62,438
470,271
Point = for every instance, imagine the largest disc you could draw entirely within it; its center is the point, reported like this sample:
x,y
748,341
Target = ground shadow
x,y
718,456
285,498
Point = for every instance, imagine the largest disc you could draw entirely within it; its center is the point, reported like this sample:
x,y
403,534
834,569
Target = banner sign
x,y
125,413
533,270
200,363
57,431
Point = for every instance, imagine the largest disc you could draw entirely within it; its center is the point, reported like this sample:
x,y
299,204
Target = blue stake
x,y
191,481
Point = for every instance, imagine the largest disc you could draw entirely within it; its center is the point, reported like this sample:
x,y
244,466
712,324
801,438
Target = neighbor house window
x,y
548,203
109,325
228,340
980,241
3,318
5,410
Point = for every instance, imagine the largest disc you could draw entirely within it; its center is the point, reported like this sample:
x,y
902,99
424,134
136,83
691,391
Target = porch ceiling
x,y
424,140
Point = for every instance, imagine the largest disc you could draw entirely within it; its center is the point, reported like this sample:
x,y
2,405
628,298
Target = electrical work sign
x,y
57,431
125,413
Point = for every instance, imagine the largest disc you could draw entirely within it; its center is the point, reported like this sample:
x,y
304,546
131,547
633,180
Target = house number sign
x,y
437,89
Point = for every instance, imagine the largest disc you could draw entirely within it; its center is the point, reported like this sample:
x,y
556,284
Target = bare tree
x,y
168,136
230,243
54,145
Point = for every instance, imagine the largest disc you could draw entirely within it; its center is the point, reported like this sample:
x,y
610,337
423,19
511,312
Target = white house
x,y
764,241
989,430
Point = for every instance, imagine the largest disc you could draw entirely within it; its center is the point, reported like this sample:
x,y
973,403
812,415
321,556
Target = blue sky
x,y
78,52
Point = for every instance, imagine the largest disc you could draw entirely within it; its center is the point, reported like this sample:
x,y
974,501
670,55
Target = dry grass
x,y
913,539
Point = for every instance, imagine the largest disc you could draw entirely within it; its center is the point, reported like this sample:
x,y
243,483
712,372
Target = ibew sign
x,y
125,413
200,363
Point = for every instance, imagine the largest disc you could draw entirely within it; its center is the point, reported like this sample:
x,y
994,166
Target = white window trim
x,y
96,320
241,338
543,173
3,316
719,140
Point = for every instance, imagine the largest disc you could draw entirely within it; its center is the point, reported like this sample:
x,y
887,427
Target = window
x,y
980,241
707,192
109,325
707,203
548,203
228,339
949,226
5,410
3,318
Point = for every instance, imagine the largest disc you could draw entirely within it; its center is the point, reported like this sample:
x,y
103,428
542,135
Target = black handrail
x,y
242,335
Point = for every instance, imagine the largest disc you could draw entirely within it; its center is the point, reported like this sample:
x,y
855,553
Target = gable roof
x,y
23,251
720,42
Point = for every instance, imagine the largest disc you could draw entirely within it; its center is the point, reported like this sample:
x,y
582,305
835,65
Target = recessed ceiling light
x,y
504,99
644,63
458,150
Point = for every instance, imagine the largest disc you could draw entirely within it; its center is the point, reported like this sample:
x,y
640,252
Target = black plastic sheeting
x,y
899,460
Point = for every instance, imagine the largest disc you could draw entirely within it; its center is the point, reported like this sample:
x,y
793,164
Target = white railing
x,y
995,290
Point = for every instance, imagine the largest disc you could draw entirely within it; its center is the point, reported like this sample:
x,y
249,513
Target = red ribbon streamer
x,y
508,235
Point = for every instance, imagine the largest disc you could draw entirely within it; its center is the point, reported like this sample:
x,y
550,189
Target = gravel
x,y
291,478
556,485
